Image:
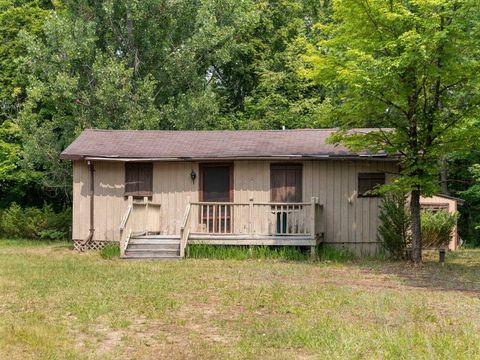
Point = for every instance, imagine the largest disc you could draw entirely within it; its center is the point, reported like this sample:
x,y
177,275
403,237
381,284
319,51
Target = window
x,y
434,207
138,179
368,182
286,182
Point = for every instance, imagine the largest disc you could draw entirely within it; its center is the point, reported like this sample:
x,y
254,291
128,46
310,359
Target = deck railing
x,y
139,217
255,219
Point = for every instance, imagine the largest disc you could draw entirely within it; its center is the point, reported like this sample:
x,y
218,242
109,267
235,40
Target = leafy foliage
x,y
409,69
437,228
16,16
16,183
405,65
466,184
34,223
394,229
72,87
160,65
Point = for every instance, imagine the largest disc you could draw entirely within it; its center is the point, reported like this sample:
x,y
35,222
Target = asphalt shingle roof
x,y
228,144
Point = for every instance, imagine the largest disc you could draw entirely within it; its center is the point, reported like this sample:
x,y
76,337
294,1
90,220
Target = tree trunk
x,y
444,175
416,229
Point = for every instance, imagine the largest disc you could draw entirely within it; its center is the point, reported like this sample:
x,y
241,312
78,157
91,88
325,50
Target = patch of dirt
x,y
169,339
198,319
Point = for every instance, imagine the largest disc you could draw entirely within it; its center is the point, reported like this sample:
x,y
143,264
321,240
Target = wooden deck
x,y
229,223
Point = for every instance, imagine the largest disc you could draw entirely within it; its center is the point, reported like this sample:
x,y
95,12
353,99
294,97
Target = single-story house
x,y
155,192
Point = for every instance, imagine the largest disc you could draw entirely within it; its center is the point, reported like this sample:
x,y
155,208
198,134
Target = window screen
x,y
286,183
138,179
368,182
216,183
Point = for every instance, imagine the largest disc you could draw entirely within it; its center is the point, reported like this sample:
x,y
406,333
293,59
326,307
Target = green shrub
x,y
110,251
52,235
34,223
437,228
394,229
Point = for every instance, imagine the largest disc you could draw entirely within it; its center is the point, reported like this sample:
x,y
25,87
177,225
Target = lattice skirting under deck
x,y
95,245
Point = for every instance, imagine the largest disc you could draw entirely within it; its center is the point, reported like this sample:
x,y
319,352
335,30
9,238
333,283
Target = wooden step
x,y
159,237
149,257
152,253
153,242
155,250
153,246
147,246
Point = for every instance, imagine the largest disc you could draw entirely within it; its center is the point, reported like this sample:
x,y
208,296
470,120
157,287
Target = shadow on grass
x,y
461,272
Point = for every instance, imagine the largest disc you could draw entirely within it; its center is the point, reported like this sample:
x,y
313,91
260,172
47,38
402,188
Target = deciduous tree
x,y
408,65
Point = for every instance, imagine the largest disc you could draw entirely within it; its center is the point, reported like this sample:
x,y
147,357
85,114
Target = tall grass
x,y
331,253
223,252
286,253
110,251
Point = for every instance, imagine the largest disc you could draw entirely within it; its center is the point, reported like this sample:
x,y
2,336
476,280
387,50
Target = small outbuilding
x,y
450,204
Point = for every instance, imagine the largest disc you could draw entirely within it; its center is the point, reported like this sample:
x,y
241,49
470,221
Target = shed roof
x,y
457,199
222,144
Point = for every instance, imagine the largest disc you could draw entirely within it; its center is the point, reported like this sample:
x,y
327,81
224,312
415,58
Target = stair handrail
x,y
127,240
123,225
125,217
184,230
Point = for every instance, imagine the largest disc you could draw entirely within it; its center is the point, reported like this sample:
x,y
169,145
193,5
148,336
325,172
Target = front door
x,y
216,187
286,182
286,187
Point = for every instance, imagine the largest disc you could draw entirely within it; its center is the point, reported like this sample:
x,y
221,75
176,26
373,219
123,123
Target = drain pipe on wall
x,y
92,205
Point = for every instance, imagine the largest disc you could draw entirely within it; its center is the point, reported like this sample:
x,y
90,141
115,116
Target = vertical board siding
x,y
350,221
251,180
174,189
80,207
109,200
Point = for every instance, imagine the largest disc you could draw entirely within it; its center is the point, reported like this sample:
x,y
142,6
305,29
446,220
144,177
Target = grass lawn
x,y
59,304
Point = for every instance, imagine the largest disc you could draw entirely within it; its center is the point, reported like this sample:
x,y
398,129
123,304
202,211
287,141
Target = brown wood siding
x,y
351,221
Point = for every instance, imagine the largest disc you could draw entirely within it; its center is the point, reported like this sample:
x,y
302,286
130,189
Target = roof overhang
x,y
275,157
163,145
458,200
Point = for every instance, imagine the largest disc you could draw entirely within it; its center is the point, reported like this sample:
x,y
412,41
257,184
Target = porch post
x,y
250,217
145,220
312,217
312,224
